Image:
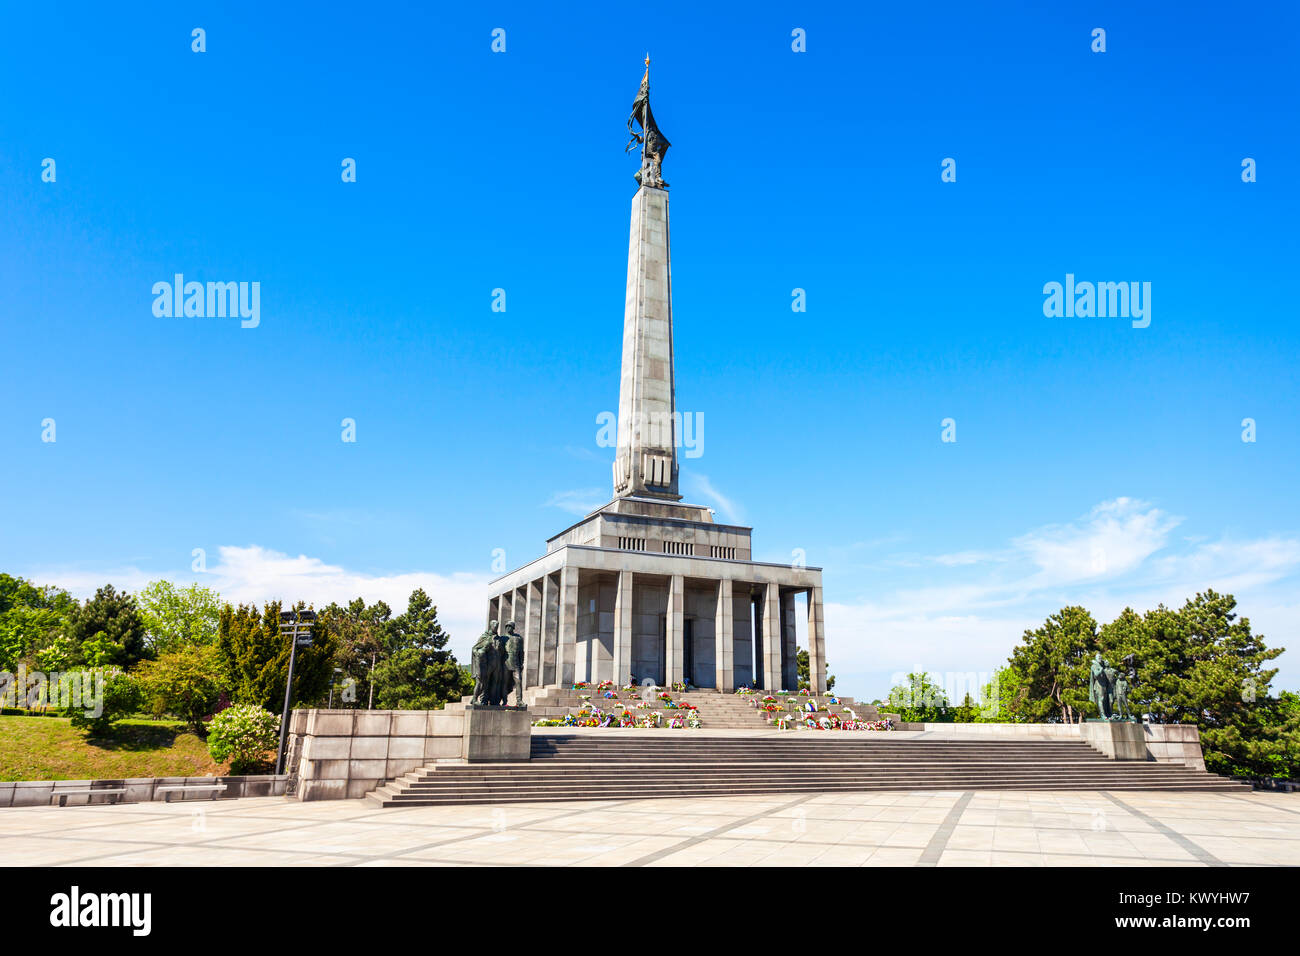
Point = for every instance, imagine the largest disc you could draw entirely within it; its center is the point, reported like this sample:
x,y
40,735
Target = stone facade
x,y
647,587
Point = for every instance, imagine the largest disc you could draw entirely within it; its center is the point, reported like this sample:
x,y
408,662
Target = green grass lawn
x,y
47,748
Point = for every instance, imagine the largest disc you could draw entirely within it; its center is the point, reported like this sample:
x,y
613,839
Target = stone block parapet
x,y
345,754
1119,740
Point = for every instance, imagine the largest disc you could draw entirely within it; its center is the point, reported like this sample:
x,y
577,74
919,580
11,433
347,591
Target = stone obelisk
x,y
645,462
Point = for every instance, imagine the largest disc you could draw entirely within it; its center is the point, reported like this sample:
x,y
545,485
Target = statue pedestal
x,y
1117,739
495,734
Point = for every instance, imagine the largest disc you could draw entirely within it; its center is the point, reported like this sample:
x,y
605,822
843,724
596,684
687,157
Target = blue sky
x,y
1095,463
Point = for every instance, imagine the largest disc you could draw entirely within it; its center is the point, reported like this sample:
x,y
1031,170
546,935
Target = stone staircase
x,y
630,764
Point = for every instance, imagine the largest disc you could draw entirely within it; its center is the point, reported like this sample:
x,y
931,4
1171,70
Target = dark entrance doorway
x,y
688,651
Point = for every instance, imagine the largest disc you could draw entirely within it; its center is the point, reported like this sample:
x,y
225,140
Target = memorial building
x,y
648,588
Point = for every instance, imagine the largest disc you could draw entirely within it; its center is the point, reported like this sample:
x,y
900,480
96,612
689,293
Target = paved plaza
x,y
999,828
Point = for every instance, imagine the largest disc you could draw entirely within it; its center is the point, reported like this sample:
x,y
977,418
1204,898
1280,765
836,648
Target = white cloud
x,y
1116,537
730,510
578,501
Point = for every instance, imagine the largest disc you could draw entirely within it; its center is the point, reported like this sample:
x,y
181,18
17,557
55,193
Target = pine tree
x,y
114,613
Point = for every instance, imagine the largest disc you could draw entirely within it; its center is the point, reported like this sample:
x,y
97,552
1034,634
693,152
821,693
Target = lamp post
x,y
296,625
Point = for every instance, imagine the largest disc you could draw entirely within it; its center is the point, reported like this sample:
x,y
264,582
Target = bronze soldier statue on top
x,y
654,144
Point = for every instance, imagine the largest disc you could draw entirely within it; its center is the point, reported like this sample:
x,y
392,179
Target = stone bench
x,y
62,795
216,788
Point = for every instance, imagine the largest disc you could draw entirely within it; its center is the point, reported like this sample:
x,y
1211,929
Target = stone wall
x,y
344,754
41,793
1164,743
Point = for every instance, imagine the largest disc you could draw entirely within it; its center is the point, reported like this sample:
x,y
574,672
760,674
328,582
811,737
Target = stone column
x,y
623,629
566,647
676,625
533,635
505,608
789,641
550,625
725,637
816,640
772,638
519,608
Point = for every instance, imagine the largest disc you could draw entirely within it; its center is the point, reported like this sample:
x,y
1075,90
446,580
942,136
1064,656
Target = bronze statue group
x,y
497,665
1108,688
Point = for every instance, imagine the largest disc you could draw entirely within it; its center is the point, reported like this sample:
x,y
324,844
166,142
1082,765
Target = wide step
x,y
590,767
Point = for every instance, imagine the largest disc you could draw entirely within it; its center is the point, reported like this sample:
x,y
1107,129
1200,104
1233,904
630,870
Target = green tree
x,y
115,614
363,635
121,699
255,657
1203,665
804,669
187,682
967,712
32,619
1052,666
177,617
418,672
58,653
919,699
1200,664
1001,697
